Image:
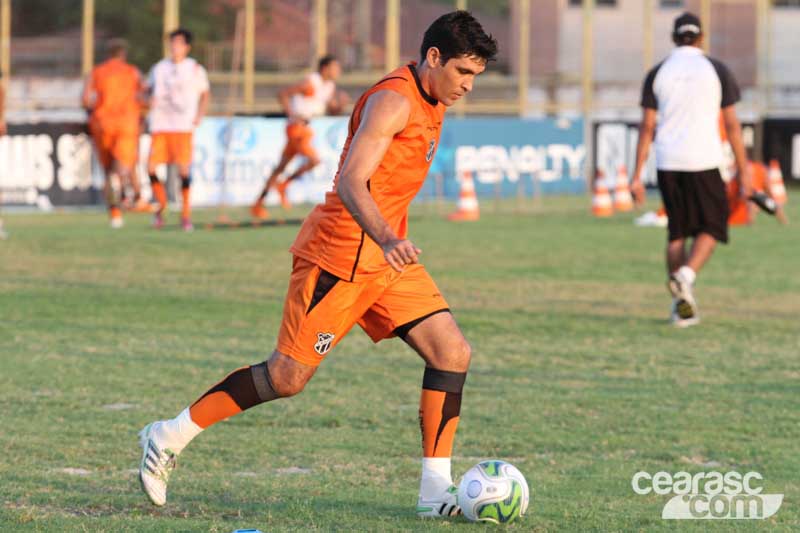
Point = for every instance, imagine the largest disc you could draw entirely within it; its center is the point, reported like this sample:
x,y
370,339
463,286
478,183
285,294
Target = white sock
x,y
436,477
688,274
176,433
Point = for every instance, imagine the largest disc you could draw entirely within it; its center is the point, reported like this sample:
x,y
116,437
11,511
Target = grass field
x,y
577,378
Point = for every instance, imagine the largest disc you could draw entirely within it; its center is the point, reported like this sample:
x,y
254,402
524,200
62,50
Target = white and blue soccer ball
x,y
493,491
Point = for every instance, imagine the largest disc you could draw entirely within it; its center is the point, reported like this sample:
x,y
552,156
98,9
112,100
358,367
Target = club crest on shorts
x,y
431,148
323,344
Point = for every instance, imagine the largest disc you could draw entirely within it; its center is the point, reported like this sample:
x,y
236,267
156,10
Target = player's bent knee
x,y
288,377
463,354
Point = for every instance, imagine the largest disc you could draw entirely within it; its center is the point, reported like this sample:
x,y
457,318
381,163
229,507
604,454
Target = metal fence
x,y
583,57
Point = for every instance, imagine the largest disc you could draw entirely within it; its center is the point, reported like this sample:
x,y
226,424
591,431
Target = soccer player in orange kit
x,y
112,96
354,264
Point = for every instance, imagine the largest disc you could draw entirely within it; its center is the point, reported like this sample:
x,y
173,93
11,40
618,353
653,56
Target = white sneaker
x,y
684,305
651,218
117,223
679,322
446,505
156,466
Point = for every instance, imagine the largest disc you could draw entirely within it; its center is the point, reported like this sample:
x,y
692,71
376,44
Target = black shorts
x,y
696,202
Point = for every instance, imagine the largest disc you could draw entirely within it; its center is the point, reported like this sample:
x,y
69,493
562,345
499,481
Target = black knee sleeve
x,y
153,178
247,387
444,381
262,382
186,182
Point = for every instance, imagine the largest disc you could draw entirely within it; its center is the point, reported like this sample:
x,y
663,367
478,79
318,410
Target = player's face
x,y
178,48
454,79
332,71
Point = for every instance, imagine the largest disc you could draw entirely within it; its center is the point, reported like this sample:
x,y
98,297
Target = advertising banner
x,y
53,163
782,142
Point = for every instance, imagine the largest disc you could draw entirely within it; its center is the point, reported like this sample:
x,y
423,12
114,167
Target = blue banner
x,y
508,154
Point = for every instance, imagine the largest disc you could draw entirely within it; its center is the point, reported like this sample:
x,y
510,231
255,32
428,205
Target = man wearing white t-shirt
x,y
179,92
684,95
312,97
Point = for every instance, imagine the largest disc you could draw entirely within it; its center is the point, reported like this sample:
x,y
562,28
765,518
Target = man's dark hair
x,y
116,47
686,39
458,34
182,32
325,60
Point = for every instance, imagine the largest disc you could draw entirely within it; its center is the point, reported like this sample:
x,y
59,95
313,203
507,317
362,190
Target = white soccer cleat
x,y
444,506
684,305
156,466
679,322
116,223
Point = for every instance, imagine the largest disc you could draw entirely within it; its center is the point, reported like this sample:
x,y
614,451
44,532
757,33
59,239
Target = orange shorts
x,y
320,308
121,145
171,147
298,141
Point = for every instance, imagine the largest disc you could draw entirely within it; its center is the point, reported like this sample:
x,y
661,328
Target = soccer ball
x,y
493,491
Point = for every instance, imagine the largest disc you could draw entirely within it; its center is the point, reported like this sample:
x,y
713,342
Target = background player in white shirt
x,y
179,92
312,97
684,95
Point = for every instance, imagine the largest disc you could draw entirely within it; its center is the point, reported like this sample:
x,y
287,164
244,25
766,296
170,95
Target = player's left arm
x,y
734,130
339,100
202,105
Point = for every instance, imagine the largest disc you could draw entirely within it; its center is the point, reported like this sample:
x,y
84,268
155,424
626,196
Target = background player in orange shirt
x,y
312,97
112,97
354,264
179,98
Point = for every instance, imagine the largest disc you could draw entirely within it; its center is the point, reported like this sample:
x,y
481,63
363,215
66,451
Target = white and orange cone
x,y
775,183
623,201
467,201
601,200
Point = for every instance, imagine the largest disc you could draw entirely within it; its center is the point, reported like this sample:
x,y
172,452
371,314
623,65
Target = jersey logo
x,y
323,344
431,148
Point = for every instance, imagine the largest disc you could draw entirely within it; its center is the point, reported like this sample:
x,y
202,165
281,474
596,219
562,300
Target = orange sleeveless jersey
x,y
330,237
116,85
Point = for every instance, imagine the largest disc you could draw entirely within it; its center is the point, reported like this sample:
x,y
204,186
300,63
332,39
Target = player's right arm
x,y
734,130
647,130
285,94
88,93
385,114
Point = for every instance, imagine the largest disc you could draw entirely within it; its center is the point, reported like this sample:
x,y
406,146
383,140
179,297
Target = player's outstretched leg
x,y
242,389
310,163
160,196
258,210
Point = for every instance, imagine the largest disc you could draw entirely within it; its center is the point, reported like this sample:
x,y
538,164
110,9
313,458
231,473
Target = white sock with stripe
x,y
176,433
436,477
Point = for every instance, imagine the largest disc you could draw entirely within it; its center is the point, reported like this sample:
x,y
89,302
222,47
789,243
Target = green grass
x,y
577,378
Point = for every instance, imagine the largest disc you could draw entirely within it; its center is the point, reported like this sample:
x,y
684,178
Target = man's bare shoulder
x,y
387,108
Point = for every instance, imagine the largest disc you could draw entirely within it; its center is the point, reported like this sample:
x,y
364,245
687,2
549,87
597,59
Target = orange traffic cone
x,y
601,201
467,201
623,201
775,183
